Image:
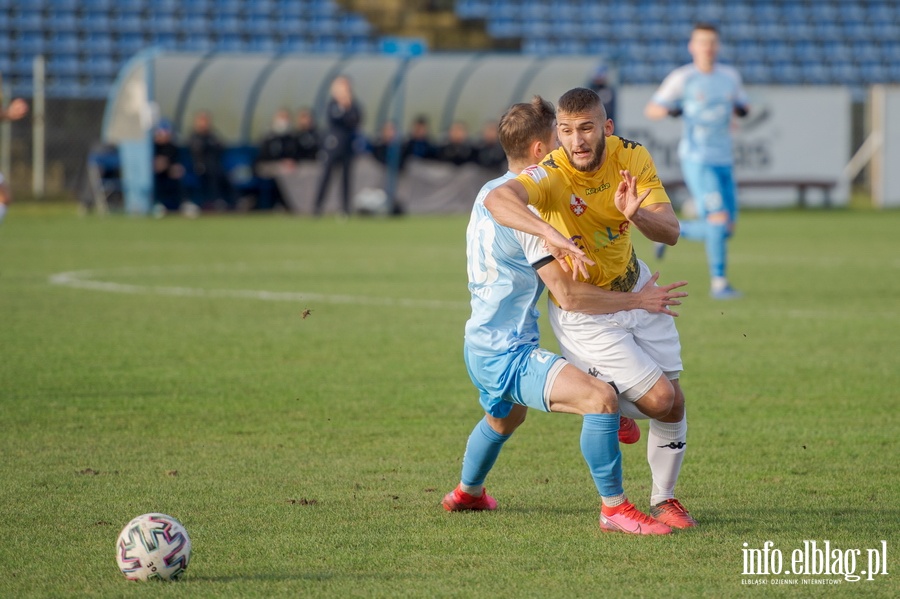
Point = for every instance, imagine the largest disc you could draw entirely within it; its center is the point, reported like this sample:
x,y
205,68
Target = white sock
x,y
2,211
718,283
473,490
665,451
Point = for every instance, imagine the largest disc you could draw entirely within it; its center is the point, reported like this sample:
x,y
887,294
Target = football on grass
x,y
153,547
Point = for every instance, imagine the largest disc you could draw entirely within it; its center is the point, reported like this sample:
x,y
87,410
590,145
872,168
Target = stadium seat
x,y
130,43
95,20
295,43
63,65
54,6
230,42
30,42
261,43
194,24
98,43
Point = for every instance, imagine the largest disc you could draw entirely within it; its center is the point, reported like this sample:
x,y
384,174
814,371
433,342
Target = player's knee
x,y
601,400
676,413
720,217
508,425
658,402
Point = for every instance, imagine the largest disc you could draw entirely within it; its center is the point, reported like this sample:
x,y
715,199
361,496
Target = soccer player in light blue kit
x,y
706,94
502,355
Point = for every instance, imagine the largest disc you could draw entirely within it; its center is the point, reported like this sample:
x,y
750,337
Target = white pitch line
x,y
81,280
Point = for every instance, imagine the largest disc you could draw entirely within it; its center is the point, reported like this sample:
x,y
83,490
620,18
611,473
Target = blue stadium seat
x,y
755,71
61,20
30,42
227,23
503,28
886,31
98,42
359,45
295,43
327,44
259,8
291,26
230,42
261,43
127,23
64,87
257,24
162,39
353,24
21,65
874,72
198,43
54,6
97,5
100,67
95,20
63,65
472,9
194,24
807,51
197,8
325,25
130,43
27,22
137,6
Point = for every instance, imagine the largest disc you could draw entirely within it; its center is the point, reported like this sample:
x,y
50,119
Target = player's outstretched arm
x,y
508,204
575,296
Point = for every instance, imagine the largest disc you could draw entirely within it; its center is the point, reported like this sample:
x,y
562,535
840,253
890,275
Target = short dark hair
x,y
524,123
580,99
704,26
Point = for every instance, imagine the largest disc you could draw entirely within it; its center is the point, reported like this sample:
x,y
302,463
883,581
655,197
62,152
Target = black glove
x,y
741,111
675,112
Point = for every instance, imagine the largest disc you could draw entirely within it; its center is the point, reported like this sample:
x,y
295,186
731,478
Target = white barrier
x,y
791,148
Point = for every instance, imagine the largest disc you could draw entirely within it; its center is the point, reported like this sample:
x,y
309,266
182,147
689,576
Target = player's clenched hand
x,y
657,299
564,251
627,200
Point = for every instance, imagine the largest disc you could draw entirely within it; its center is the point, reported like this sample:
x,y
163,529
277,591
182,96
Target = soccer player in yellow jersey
x,y
594,189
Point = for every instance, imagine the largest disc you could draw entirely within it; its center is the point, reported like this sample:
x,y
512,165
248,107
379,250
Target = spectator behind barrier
x,y
488,151
419,142
306,136
213,189
457,149
168,172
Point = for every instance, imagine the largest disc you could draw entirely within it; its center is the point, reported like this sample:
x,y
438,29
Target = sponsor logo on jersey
x,y
550,162
535,172
593,190
577,205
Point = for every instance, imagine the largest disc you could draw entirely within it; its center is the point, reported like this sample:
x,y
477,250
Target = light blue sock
x,y
716,251
481,452
600,447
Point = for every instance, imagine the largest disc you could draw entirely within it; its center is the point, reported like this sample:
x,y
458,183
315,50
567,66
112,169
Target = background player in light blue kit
x,y
706,94
502,355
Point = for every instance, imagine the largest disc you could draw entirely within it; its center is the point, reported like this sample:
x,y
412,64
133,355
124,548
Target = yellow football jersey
x,y
582,206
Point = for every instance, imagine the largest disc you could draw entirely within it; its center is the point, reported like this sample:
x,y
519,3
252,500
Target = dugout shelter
x,y
242,91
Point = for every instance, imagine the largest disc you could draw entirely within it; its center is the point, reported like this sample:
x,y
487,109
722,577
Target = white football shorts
x,y
629,349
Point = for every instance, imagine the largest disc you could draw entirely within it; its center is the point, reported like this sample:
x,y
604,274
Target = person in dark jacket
x,y
306,136
206,163
344,116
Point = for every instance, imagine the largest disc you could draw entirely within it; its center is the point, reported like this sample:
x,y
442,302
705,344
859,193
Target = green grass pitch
x,y
166,365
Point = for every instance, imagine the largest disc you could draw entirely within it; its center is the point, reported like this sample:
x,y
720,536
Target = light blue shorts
x,y
712,187
524,376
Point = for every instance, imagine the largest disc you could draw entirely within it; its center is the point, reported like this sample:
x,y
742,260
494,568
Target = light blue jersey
x,y
503,284
707,101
